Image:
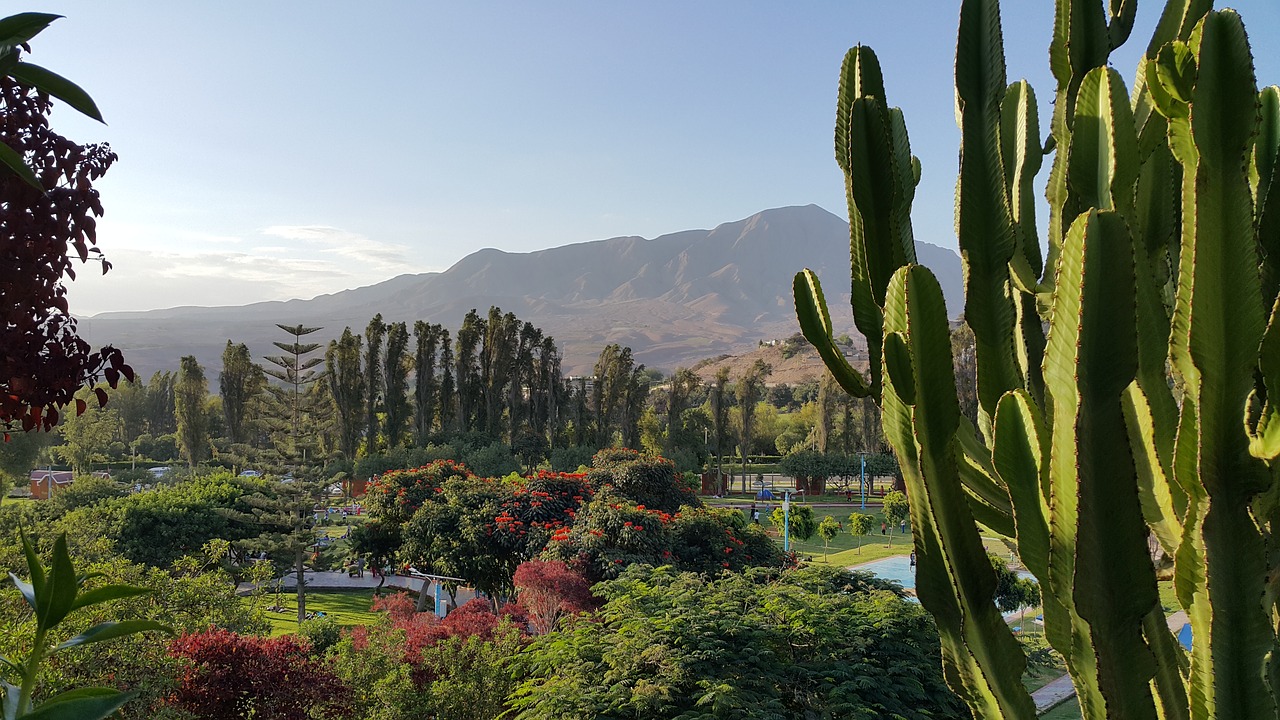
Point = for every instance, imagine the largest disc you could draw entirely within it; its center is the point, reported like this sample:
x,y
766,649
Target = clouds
x,y
347,245
295,261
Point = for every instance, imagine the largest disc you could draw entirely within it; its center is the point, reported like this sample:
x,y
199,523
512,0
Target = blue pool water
x,y
897,569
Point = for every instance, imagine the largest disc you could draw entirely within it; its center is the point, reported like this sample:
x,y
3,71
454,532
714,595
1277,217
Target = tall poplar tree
x,y
189,393
237,384
395,384
347,388
160,418
448,387
426,387
467,372
749,391
682,386
720,416
373,335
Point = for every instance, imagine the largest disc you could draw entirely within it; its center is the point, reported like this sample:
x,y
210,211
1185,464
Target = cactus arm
x,y
1081,41
1262,417
1097,531
982,660
874,153
984,223
1123,13
1163,501
1019,453
1022,157
1265,179
815,323
1217,327
988,498
1172,667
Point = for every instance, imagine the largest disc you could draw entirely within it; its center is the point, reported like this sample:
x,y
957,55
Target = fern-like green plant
x,y
1125,377
52,594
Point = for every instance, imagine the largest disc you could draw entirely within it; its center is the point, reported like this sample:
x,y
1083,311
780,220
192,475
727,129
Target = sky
x,y
291,149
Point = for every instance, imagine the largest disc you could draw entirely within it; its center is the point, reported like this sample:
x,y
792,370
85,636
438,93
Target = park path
x,y
339,580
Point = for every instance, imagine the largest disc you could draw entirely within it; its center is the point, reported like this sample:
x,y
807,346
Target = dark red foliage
x,y
232,676
423,630
549,590
43,361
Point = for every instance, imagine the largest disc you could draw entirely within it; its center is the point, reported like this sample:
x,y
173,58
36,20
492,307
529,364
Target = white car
x,y
251,473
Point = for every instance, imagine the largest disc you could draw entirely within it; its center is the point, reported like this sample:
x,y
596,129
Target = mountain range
x,y
674,299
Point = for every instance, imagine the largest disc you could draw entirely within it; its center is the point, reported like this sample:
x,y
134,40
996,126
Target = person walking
x,y
884,528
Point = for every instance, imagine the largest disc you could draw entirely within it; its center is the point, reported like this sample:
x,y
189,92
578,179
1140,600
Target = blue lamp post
x,y
864,479
786,521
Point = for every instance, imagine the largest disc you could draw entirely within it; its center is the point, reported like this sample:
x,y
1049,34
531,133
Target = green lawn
x,y
347,607
1069,710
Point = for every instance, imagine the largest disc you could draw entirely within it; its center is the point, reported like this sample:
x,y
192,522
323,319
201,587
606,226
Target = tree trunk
x,y
302,588
423,594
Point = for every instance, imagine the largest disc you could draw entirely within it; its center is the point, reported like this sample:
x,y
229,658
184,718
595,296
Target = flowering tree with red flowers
x,y
455,534
231,675
538,507
713,540
549,590
612,533
396,495
648,480
48,216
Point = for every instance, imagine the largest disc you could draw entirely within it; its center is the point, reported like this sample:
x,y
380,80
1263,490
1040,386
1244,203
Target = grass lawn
x,y
1168,598
347,607
845,554
1069,710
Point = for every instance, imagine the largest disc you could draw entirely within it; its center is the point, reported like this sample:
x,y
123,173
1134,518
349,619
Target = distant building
x,y
49,482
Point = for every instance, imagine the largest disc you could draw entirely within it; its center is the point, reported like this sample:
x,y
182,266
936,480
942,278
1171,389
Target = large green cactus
x,y
1150,411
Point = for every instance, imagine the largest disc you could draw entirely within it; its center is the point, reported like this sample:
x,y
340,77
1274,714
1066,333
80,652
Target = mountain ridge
x,y
675,299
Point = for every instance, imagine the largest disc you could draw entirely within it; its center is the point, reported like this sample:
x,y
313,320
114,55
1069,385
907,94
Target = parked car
x,y
251,473
159,472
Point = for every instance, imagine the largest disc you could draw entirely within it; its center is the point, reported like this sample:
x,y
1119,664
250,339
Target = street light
x,y
786,521
863,455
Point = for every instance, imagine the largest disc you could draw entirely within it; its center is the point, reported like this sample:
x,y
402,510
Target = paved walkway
x,y
339,580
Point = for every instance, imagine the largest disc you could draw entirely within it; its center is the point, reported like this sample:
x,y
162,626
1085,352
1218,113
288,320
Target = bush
x,y
322,632
493,460
570,459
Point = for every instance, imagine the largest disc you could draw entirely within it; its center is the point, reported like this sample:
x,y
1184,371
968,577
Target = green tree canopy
x,y
813,642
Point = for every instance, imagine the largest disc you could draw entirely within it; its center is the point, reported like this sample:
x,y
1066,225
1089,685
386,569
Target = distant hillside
x,y
674,299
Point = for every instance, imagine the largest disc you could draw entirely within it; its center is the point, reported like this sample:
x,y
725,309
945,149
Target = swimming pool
x,y
897,569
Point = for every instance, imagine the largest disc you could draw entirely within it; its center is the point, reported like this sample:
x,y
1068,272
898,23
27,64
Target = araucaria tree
x,y
189,393
48,211
297,373
1147,413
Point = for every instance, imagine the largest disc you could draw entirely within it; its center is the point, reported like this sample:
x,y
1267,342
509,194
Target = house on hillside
x,y
45,483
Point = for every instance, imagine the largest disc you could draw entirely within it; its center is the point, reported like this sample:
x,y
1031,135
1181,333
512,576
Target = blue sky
x,y
289,149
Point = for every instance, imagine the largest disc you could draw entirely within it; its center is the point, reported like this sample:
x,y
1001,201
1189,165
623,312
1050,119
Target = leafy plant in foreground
x,y
52,594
